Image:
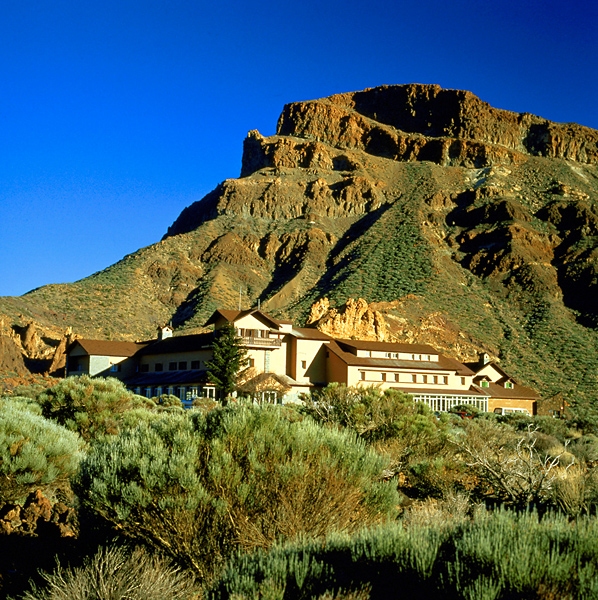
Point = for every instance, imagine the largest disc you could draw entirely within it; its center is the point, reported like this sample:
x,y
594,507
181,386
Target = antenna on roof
x,y
258,304
239,298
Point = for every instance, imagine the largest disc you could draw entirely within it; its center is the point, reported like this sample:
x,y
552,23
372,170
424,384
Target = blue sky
x,y
114,116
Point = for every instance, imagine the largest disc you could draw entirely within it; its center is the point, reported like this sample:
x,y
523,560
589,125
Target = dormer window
x,y
509,385
485,383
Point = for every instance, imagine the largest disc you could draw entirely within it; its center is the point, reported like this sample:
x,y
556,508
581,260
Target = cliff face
x,y
454,223
425,122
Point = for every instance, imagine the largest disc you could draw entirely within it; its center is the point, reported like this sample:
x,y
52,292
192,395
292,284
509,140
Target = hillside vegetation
x,y
467,227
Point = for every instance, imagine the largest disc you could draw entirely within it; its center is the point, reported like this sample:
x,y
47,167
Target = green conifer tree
x,y
228,359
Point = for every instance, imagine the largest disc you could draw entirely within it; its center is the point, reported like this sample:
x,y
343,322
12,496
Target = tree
x,y
228,359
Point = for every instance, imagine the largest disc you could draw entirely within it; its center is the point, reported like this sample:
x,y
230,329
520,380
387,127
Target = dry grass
x,y
116,574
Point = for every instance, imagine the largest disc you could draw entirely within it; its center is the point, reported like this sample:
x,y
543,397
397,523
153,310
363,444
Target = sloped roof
x,y
262,380
444,362
180,343
309,333
518,392
234,315
108,347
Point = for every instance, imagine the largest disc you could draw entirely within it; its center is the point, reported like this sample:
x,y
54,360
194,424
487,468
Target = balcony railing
x,y
260,341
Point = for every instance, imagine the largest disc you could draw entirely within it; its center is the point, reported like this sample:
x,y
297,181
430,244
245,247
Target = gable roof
x,y
108,347
518,392
235,315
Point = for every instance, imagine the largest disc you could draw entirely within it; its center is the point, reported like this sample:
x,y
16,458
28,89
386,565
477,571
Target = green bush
x,y
498,556
115,574
378,417
34,452
200,486
93,407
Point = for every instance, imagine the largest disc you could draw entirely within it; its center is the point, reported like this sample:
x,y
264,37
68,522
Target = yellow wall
x,y
529,405
313,353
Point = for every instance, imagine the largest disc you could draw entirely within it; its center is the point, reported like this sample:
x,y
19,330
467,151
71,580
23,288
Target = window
x,y
172,366
383,376
195,365
434,378
304,364
362,375
485,384
148,392
252,362
158,367
396,376
413,378
424,378
462,380
509,385
387,354
183,365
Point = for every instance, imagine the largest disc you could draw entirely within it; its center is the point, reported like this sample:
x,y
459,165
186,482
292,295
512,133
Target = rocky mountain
x,y
400,212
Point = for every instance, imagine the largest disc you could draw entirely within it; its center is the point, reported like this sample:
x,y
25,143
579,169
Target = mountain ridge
x,y
453,237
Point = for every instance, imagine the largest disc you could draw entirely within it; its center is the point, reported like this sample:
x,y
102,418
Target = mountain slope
x,y
469,227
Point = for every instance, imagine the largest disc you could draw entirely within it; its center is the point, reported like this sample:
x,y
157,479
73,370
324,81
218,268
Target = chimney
x,y
165,331
484,358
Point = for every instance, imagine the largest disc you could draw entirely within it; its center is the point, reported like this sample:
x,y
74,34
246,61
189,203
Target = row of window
x,y
445,403
409,378
182,392
173,366
261,333
395,355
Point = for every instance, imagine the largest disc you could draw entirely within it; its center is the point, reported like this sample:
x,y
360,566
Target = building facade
x,y
285,361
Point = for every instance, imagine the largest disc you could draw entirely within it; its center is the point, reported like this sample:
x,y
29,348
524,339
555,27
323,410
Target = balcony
x,y
260,342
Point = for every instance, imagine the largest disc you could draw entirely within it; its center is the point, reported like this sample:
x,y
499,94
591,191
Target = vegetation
x,y
496,556
92,407
34,452
199,487
115,574
228,359
354,495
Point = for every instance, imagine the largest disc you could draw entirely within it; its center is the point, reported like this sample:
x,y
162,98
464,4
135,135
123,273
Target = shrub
x,y
199,486
34,452
169,400
508,462
496,556
115,574
93,407
379,417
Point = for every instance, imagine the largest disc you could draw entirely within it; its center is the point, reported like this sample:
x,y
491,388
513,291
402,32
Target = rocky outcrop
x,y
354,320
38,516
426,122
11,358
